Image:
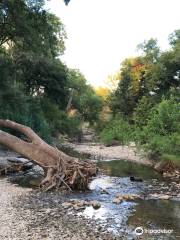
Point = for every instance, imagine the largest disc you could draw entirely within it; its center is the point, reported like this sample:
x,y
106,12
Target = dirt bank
x,y
99,151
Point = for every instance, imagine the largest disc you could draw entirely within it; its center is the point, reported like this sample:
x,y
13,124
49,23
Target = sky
x,y
102,33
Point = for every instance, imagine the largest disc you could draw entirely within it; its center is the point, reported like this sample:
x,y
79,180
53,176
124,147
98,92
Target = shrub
x,y
117,129
162,132
164,119
16,106
141,113
58,120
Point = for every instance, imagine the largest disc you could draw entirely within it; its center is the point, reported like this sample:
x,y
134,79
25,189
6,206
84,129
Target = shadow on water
x,y
124,168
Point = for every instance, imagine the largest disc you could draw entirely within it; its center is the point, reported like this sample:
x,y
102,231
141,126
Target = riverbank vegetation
x,y
37,88
145,105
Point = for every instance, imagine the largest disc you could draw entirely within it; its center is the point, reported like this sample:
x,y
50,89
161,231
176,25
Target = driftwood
x,y
59,168
14,164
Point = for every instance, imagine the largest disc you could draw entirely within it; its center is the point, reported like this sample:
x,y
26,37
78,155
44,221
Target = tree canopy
x,y
152,75
145,104
32,75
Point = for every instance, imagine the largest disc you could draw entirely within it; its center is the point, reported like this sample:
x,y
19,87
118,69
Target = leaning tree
x,y
59,168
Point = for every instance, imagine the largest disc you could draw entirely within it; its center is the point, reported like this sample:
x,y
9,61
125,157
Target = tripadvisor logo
x,y
139,231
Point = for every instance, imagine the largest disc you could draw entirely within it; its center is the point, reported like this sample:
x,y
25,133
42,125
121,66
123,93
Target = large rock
x,y
20,160
127,197
95,204
77,204
160,196
14,164
117,200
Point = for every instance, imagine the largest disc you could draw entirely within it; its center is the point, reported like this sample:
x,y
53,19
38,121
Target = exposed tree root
x,y
59,168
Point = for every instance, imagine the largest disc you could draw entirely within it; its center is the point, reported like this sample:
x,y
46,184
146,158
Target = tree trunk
x,y
70,100
59,168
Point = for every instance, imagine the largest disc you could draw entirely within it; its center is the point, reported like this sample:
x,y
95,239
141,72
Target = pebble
x,y
29,214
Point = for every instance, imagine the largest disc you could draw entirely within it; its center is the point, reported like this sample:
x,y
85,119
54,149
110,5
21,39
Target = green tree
x,y
130,88
152,75
84,98
31,38
27,26
162,132
45,77
150,50
141,112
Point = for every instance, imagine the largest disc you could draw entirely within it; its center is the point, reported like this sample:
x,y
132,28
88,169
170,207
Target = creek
x,y
123,218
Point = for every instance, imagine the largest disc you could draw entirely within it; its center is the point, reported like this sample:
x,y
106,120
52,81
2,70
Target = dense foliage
x,y
147,98
39,90
117,129
36,87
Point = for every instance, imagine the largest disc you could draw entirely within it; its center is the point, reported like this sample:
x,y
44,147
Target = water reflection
x,y
101,183
121,168
157,214
125,217
96,214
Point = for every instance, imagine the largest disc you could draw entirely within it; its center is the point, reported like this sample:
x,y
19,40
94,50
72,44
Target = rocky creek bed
x,y
27,214
99,151
112,208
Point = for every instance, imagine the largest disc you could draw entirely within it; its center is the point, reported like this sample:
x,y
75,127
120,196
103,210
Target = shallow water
x,y
156,214
123,218
126,216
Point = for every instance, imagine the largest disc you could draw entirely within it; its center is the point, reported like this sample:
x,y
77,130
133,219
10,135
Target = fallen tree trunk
x,y
59,168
